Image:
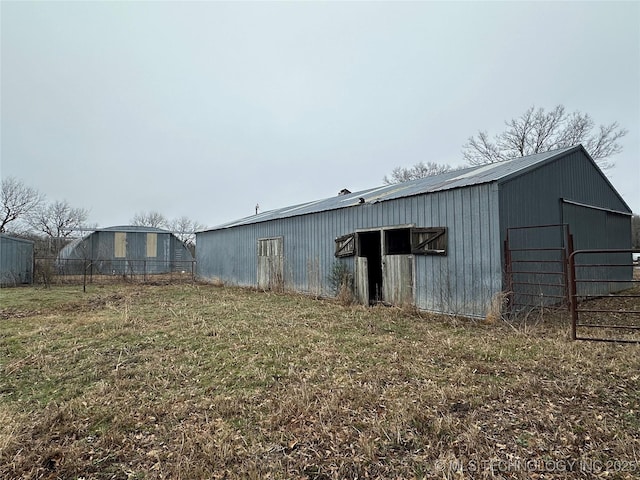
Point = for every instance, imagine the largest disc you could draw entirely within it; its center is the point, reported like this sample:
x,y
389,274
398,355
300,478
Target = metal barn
x,y
440,243
126,250
16,261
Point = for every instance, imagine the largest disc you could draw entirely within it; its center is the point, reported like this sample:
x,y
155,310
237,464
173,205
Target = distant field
x,y
197,381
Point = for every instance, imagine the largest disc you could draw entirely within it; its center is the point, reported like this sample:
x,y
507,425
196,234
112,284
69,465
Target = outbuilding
x,y
124,250
446,243
16,261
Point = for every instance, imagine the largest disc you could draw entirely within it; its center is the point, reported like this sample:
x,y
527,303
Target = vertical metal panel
x,y
136,245
16,261
103,244
594,228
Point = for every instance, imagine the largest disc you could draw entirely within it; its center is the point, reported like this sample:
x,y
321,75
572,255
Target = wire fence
x,y
53,271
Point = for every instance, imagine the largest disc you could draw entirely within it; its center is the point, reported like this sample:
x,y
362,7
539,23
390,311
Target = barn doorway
x,y
369,266
384,267
397,267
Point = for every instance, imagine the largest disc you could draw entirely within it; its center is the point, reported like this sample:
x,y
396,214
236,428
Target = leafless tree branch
x,y
150,219
18,201
537,131
419,170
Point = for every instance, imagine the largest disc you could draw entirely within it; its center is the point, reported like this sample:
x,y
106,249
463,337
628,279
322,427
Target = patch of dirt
x,y
6,313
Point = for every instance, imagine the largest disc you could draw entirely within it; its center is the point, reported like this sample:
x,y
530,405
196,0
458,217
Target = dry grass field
x,y
198,381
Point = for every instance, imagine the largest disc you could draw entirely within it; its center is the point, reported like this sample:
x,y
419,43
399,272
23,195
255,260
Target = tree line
x,y
25,212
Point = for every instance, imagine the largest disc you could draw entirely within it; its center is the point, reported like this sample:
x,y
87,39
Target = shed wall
x,y
461,282
16,261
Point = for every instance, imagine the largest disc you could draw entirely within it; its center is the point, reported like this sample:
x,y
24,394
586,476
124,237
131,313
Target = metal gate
x,y
536,266
604,295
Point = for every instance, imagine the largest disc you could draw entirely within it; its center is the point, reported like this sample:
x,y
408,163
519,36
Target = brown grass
x,y
197,381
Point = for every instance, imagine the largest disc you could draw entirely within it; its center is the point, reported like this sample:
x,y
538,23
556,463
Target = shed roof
x,y
132,229
16,239
495,172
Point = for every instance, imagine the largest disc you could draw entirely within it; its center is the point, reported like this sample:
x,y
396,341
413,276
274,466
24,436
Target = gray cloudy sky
x,y
206,108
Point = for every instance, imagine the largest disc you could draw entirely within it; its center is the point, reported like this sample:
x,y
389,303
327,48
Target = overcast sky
x,y
206,108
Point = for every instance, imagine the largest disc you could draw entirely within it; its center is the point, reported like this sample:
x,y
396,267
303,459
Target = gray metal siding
x,y
99,246
16,261
461,282
535,198
600,229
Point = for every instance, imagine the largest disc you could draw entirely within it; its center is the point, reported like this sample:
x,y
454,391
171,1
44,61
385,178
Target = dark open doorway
x,y
369,246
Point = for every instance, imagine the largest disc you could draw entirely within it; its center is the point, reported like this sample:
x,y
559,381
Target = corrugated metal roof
x,y
445,181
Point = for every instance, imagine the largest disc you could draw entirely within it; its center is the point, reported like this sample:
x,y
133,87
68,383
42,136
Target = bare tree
x,y
18,201
150,219
419,170
58,221
537,131
185,229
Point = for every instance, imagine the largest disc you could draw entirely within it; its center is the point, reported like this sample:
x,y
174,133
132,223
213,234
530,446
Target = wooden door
x,y
270,264
362,280
397,279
